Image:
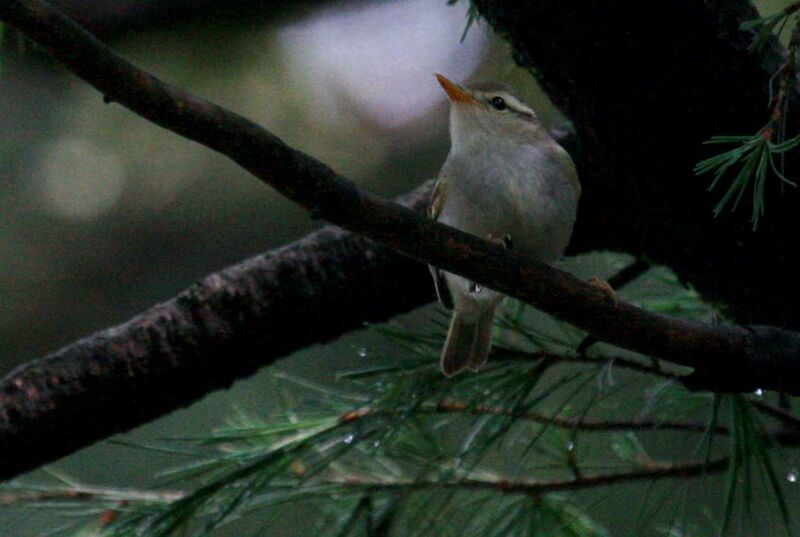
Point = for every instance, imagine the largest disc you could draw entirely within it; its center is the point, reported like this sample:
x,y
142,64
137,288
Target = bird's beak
x,y
455,93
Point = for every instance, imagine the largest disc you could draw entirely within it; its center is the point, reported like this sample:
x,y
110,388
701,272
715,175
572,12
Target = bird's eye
x,y
499,103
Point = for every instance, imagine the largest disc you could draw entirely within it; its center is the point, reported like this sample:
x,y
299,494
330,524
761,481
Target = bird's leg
x,y
622,278
505,242
605,287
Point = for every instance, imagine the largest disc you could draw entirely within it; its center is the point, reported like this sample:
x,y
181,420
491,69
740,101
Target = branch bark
x,y
212,322
221,329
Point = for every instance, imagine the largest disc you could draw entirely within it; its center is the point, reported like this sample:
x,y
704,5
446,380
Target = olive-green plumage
x,y
505,179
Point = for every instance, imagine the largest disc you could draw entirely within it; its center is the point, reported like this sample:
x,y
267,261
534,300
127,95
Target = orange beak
x,y
455,93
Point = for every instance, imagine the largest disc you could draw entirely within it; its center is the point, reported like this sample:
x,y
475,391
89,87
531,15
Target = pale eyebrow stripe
x,y
518,108
514,105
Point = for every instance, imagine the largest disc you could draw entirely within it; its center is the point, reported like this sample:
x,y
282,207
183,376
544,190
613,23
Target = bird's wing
x,y
569,166
438,197
434,210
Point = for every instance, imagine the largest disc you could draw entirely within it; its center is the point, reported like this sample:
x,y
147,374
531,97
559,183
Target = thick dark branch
x,y
739,357
223,328
645,84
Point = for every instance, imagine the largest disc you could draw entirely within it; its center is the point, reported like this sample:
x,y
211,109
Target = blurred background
x,y
103,214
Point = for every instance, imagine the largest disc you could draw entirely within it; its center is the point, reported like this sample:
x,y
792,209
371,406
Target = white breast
x,y
527,192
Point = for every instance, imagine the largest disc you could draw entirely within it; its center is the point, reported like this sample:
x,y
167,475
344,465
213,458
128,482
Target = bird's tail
x,y
468,343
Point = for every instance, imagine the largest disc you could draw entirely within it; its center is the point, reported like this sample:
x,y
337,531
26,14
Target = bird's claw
x,y
605,288
505,242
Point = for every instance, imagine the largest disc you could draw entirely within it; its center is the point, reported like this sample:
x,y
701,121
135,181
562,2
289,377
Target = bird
x,y
506,180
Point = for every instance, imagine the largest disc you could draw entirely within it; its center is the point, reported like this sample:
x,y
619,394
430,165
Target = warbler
x,y
507,180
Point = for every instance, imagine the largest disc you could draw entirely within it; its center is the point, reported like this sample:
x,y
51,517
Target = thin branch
x,y
777,413
791,8
575,423
31,494
787,434
790,422
618,361
460,407
727,357
651,472
498,484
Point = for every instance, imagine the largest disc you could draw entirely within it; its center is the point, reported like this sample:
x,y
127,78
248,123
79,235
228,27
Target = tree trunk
x,y
645,84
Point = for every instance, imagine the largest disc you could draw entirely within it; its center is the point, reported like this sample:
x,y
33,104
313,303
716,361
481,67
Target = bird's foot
x,y
605,288
505,242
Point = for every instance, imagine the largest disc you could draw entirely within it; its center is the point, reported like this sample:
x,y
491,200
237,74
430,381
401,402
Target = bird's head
x,y
489,114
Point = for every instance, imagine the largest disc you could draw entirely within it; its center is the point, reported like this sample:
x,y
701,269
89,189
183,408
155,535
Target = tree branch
x,y
622,278
15,495
223,328
649,473
356,483
37,424
575,423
